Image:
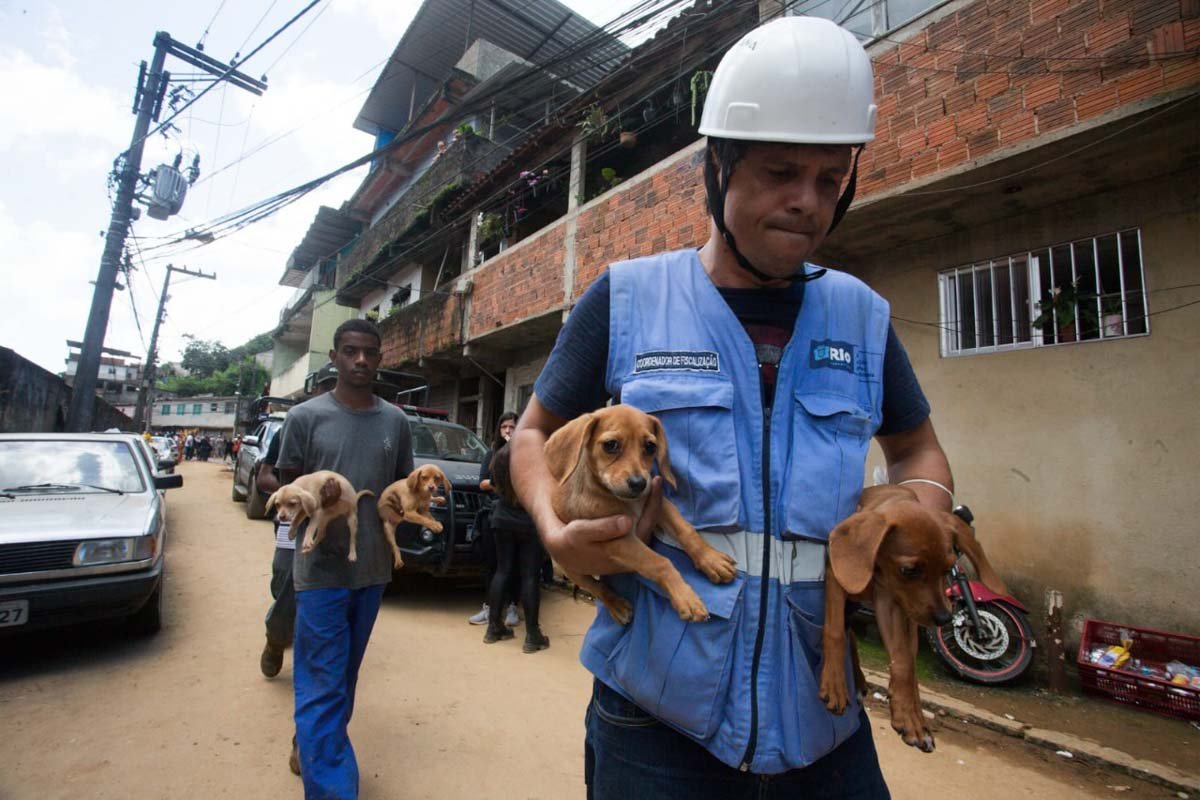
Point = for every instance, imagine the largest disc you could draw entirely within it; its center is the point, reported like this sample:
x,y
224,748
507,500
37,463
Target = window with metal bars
x,y
1084,290
867,19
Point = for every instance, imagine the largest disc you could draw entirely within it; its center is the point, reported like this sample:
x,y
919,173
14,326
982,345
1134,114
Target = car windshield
x,y
432,439
62,465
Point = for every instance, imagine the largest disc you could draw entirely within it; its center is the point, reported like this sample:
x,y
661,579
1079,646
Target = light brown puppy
x,y
893,554
309,496
408,500
602,463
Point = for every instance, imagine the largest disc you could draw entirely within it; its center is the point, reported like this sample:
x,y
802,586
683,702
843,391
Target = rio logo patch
x,y
831,354
686,360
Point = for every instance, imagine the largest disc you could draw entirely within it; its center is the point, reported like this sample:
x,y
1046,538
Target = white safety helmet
x,y
796,80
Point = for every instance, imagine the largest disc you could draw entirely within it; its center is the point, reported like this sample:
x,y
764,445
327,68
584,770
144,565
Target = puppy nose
x,y
941,616
636,483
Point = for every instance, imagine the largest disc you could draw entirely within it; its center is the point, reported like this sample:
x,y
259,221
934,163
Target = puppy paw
x,y
910,724
436,527
397,562
620,609
352,556
718,566
688,605
834,693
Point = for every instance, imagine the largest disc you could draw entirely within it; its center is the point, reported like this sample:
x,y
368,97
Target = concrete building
x,y
209,414
1029,207
118,378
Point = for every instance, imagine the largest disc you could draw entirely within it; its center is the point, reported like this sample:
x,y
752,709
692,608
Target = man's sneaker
x,y
480,617
511,619
294,758
271,660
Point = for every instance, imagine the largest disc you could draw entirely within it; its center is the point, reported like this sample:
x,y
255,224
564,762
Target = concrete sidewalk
x,y
1081,749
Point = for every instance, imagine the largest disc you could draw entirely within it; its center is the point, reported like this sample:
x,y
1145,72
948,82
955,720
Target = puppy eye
x,y
651,448
910,573
612,447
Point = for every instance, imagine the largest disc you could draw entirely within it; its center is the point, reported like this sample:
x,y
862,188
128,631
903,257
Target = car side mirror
x,y
168,481
250,440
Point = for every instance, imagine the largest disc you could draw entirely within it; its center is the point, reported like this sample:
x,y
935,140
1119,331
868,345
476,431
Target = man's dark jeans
x,y
631,756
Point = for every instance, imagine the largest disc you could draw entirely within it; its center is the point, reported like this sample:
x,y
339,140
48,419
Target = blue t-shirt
x,y
573,380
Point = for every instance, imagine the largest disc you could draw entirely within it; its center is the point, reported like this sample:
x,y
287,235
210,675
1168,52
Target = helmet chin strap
x,y
717,198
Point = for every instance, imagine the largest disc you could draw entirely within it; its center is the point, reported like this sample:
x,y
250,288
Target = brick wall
x,y
663,211
940,106
519,283
942,102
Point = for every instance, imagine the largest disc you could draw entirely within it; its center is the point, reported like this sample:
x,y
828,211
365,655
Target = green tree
x,y
202,358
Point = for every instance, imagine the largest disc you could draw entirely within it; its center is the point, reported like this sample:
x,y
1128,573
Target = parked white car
x,y
82,530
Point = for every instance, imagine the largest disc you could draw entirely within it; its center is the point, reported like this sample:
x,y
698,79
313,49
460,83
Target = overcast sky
x,y
67,72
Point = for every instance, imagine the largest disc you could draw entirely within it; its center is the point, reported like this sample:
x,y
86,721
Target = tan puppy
x,y
893,554
308,496
408,500
602,463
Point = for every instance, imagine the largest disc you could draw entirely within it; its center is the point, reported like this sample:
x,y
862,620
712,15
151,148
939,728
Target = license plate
x,y
14,612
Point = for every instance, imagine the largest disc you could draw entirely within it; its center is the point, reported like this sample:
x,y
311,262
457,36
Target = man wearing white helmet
x,y
770,376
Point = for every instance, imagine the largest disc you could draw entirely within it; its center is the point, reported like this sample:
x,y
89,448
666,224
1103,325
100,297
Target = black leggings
x,y
520,552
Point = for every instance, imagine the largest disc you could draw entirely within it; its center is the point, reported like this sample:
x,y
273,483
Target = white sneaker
x,y
480,617
510,616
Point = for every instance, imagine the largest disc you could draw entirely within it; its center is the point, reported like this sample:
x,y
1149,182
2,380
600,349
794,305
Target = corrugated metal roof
x,y
540,31
330,230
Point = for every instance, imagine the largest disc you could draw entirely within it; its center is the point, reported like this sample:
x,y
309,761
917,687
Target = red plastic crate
x,y
1153,694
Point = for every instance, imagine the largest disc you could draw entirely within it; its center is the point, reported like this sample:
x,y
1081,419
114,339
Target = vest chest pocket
x,y
697,417
825,473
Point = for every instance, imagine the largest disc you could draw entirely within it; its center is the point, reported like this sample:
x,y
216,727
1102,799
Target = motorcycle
x,y
988,639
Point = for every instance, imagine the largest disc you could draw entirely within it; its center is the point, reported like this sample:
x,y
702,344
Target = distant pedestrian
x,y
204,449
189,447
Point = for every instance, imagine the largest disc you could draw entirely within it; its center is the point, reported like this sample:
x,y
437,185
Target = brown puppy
x,y
602,463
408,500
893,554
310,496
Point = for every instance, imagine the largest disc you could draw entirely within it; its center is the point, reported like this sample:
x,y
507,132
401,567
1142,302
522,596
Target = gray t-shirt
x,y
372,449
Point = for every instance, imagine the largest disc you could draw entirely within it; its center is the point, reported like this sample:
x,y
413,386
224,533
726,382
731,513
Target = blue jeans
x,y
332,630
629,755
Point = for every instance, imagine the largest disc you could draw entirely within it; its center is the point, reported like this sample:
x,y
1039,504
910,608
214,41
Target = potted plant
x,y
1112,319
491,227
595,124
610,177
464,131
1063,306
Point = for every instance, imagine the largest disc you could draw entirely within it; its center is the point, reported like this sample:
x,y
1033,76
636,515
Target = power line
x,y
203,36
232,68
299,36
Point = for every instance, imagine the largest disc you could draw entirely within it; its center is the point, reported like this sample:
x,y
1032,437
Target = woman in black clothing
x,y
517,548
486,543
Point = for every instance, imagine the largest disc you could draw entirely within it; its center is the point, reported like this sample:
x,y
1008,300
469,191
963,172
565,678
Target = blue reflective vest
x,y
764,488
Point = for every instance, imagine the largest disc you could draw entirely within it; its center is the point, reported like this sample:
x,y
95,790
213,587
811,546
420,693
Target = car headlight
x,y
112,551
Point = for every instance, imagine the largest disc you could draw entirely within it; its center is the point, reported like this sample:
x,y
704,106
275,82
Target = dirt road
x,y
186,714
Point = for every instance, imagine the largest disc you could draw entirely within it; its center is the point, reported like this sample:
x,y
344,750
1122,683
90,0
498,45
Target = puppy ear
x,y
441,476
968,545
271,500
413,481
567,447
664,457
309,503
853,546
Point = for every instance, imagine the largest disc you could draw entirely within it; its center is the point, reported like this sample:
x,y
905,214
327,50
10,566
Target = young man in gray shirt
x,y
354,433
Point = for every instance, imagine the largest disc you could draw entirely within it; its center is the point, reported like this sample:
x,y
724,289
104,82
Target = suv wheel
x,y
256,506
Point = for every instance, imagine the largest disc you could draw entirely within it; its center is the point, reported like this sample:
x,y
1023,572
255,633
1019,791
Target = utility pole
x,y
145,401
147,103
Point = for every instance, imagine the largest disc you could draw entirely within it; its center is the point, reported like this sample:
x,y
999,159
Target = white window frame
x,y
949,324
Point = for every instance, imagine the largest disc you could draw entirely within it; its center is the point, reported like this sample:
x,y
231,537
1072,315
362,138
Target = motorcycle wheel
x,y
1002,655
